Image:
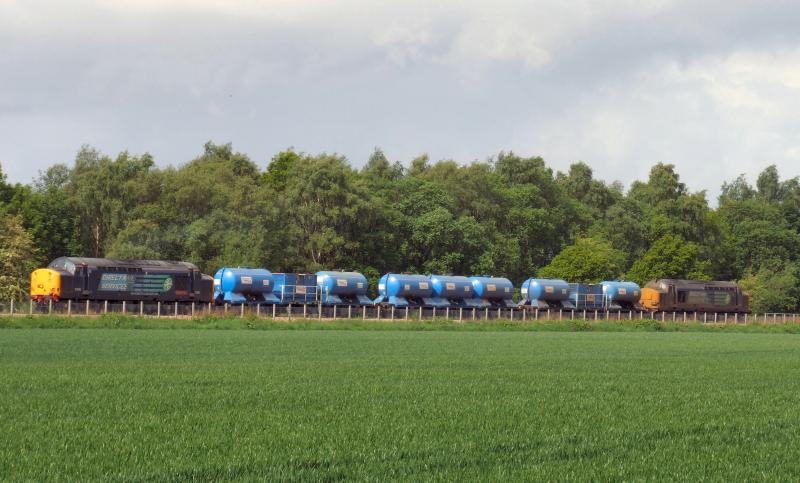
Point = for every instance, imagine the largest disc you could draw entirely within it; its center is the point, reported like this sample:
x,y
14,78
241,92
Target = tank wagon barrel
x,y
243,285
405,290
452,291
545,293
621,295
492,292
342,288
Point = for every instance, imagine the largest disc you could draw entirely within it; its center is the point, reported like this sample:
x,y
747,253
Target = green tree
x,y
774,289
663,184
280,169
670,257
17,258
379,167
588,260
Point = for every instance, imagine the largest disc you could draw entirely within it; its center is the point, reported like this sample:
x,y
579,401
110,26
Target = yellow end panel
x,y
650,299
45,283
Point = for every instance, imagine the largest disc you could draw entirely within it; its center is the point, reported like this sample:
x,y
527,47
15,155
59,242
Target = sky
x,y
712,87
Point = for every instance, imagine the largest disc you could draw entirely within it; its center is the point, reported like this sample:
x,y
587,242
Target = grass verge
x,y
118,321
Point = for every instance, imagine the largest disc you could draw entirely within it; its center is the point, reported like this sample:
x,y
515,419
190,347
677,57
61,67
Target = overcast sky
x,y
711,86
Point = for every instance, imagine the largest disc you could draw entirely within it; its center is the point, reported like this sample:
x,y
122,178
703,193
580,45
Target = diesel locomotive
x,y
74,278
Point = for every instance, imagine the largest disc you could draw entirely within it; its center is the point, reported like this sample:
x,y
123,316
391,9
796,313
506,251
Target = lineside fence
x,y
327,312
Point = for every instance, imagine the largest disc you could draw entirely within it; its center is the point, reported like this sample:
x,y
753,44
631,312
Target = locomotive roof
x,y
114,263
695,283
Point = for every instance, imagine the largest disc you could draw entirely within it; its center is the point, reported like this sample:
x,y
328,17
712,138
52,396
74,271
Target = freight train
x,y
73,278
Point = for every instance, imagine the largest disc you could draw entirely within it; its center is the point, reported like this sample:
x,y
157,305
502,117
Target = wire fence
x,y
332,312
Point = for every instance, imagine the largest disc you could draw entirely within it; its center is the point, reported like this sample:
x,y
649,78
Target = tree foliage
x,y
589,260
17,258
509,216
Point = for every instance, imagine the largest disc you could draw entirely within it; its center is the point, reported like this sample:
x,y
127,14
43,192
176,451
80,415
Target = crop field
x,y
176,405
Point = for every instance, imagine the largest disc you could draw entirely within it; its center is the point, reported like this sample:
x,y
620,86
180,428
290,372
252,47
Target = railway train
x,y
75,278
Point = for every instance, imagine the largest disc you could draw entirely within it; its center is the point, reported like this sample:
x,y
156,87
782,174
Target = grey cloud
x,y
616,84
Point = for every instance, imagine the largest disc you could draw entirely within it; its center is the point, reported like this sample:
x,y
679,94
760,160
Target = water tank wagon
x,y
342,288
240,285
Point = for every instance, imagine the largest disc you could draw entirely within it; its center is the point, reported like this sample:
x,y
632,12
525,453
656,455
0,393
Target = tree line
x,y
509,216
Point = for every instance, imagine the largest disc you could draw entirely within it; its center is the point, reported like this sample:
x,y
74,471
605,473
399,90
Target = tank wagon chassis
x,y
319,311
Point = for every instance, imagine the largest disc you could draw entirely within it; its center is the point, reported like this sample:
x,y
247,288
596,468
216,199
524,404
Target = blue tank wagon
x,y
405,290
294,288
342,288
243,286
492,292
621,295
453,291
586,296
544,293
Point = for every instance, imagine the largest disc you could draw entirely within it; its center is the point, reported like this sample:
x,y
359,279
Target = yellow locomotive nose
x,y
45,283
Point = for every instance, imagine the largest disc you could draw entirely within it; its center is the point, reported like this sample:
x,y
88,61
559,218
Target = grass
x,y
176,405
119,321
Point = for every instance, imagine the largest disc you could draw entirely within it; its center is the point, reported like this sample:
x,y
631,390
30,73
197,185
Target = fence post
x,y
406,312
334,312
349,311
715,317
420,312
87,306
12,306
50,306
105,306
69,307
192,309
379,312
123,307
319,311
595,315
363,312
141,308
460,314
30,307
241,309
524,314
158,309
560,313
473,313
273,311
512,314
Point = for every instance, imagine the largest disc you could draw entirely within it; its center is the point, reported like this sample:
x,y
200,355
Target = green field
x,y
176,405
